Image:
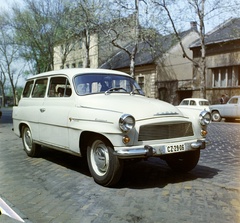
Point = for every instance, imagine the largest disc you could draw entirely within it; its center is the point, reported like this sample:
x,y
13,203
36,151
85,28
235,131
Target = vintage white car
x,y
104,115
197,103
230,111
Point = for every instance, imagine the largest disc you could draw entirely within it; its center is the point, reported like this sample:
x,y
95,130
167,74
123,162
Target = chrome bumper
x,y
148,151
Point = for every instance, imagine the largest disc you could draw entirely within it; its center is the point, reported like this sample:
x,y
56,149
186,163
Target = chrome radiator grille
x,y
165,131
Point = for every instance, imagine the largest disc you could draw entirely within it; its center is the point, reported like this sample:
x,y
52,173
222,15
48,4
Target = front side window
x,y
233,101
100,83
59,87
192,102
40,87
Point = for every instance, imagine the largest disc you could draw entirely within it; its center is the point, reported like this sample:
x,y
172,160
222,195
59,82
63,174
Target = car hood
x,y
139,106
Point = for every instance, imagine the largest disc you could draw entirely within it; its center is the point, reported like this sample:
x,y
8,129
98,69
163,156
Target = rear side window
x,y
39,89
27,89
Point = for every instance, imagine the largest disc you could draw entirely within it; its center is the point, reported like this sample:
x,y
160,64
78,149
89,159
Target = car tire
x,y
216,117
32,149
105,168
183,162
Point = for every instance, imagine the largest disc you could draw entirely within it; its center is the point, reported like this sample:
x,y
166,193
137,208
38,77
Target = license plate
x,y
174,148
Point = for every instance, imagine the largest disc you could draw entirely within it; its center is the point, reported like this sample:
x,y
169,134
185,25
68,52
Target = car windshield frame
x,y
105,83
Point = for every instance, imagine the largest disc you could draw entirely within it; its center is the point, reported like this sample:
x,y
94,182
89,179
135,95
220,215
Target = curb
x,y
25,218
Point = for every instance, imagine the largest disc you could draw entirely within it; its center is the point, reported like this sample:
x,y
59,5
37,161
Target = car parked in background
x,y
197,103
230,111
104,116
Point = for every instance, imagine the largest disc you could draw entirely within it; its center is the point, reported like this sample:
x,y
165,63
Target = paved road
x,y
6,115
58,188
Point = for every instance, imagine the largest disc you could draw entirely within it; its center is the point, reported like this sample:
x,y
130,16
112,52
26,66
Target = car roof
x,y
71,72
197,99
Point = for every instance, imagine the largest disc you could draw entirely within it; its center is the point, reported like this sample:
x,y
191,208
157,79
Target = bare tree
x,y
85,17
114,34
199,7
9,55
194,10
2,84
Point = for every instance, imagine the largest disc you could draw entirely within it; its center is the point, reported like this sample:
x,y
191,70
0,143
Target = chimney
x,y
193,25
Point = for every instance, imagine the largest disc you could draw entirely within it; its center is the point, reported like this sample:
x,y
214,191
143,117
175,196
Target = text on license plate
x,y
174,148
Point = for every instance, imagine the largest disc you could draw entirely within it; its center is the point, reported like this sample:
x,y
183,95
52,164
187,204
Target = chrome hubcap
x,y
28,140
100,158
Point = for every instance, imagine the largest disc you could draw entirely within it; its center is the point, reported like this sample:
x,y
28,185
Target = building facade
x,y
222,61
95,44
160,67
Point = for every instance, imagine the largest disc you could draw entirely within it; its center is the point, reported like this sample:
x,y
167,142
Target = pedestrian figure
x,y
226,98
222,99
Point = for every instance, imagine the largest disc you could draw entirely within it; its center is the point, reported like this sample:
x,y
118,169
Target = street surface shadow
x,y
151,173
155,173
75,163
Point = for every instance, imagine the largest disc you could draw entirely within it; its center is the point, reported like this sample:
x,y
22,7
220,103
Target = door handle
x,y
42,109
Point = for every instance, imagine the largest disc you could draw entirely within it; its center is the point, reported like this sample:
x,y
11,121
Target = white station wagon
x,y
103,115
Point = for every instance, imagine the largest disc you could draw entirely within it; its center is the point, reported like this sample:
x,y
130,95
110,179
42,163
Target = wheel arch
x,y
21,125
87,136
213,111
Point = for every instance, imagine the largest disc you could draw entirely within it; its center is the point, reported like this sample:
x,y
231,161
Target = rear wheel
x,y
32,149
183,162
105,168
216,117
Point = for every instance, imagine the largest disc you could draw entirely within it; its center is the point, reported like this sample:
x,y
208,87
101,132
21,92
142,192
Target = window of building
x,y
141,81
62,49
80,64
80,43
73,65
226,76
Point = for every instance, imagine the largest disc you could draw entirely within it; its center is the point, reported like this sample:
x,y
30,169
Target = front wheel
x,y
105,167
32,149
216,117
183,162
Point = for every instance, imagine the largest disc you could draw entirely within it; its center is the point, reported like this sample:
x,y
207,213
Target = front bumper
x,y
155,150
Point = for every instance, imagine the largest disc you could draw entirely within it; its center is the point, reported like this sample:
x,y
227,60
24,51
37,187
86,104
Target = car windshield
x,y
94,83
184,102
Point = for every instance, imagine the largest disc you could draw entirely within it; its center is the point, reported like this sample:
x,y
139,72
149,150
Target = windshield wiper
x,y
115,89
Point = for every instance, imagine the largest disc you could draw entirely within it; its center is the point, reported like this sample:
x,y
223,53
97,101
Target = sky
x,y
209,24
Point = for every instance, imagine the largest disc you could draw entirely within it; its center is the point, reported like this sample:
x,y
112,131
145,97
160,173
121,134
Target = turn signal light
x,y
126,139
203,133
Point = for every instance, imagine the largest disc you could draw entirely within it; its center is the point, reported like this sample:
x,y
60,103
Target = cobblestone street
x,y
58,188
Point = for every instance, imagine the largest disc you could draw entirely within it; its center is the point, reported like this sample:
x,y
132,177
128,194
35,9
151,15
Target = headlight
x,y
205,117
126,122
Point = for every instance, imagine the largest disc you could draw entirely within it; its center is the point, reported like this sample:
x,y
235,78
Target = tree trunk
x,y
87,48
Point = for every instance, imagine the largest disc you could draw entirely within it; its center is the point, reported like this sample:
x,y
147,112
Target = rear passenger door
x,y
54,117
